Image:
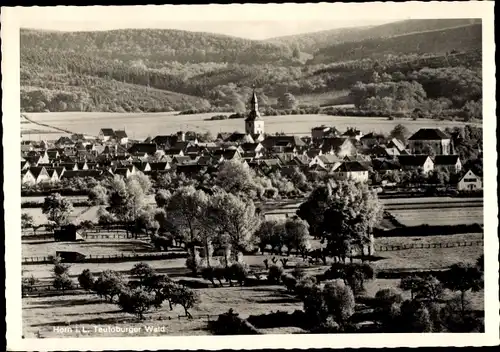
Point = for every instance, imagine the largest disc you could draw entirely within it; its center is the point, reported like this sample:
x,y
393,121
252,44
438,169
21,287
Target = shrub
x,y
193,262
304,286
274,274
298,272
62,282
109,285
28,283
86,280
208,274
137,301
238,272
142,271
339,301
231,324
184,297
387,297
289,281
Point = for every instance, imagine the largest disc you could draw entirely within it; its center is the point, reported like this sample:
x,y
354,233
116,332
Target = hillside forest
x,y
417,68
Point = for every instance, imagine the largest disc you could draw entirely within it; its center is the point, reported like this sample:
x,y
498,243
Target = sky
x,y
253,21
252,29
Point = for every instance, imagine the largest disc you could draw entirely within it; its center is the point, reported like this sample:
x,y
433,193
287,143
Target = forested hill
x,y
311,42
153,70
155,47
456,39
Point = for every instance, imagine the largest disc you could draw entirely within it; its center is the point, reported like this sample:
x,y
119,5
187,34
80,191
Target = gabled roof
x,y
412,160
239,137
351,166
329,159
108,132
36,171
333,143
396,143
122,171
294,141
446,159
165,140
149,148
429,134
81,173
120,134
382,164
181,159
158,166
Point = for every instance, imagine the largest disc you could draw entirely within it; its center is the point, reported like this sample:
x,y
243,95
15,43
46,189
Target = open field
x,y
444,216
42,314
141,125
428,258
79,214
394,241
90,246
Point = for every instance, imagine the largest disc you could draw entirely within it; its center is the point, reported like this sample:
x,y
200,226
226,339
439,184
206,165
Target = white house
x,y
351,170
470,182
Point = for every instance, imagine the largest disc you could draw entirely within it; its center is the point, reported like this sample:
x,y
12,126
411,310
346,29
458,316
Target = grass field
x,y
79,214
42,316
142,125
444,216
394,241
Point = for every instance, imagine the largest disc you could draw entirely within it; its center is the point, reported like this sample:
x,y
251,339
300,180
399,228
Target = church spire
x,y
254,108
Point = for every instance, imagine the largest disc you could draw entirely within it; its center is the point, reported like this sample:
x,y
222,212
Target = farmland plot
x,y
79,214
141,125
42,314
444,216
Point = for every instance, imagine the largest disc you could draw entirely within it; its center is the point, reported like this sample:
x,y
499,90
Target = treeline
x,y
159,45
438,41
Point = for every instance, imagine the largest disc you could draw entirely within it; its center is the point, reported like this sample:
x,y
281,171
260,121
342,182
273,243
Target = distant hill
x,y
155,46
311,42
457,39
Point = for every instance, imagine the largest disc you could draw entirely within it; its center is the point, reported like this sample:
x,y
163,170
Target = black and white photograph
x,y
276,169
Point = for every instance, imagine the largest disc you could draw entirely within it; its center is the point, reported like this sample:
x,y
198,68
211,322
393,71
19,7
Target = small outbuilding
x,y
68,233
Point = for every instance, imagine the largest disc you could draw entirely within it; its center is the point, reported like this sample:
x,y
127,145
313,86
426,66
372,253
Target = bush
x,y
62,282
231,324
238,272
109,285
183,296
289,281
142,271
304,286
86,280
339,300
274,274
28,284
298,272
137,301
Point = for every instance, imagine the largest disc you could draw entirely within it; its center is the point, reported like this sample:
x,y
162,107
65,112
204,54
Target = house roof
x,y
122,171
165,140
351,166
382,164
108,132
149,148
446,159
81,173
36,170
333,143
429,134
120,134
329,159
412,160
396,143
294,141
158,166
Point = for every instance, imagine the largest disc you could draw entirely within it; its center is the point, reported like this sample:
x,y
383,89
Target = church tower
x,y
254,125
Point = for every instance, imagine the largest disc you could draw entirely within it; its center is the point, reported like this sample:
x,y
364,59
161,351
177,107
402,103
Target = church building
x,y
254,124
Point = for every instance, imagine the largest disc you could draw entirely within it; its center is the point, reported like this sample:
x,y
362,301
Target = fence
x,y
389,248
110,258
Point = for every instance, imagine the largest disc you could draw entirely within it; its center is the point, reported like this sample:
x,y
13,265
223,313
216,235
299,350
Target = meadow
x,y
441,216
141,125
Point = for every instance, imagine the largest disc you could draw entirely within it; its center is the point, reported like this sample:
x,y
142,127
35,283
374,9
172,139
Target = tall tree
x,y
343,214
236,218
57,208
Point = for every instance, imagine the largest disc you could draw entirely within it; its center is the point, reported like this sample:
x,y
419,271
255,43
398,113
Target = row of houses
x,y
347,155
